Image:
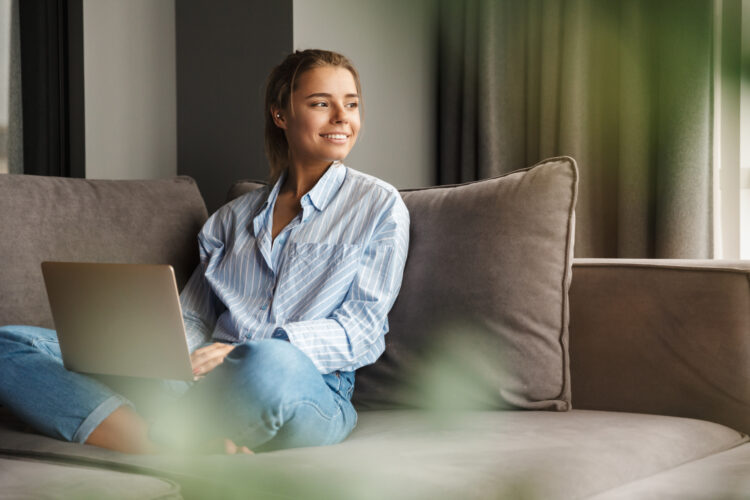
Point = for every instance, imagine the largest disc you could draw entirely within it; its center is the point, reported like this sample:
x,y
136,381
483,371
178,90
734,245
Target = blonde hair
x,y
279,87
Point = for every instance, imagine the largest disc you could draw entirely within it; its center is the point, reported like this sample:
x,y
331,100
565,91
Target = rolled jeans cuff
x,y
97,416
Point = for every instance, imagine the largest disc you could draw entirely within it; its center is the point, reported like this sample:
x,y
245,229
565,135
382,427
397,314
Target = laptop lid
x,y
118,319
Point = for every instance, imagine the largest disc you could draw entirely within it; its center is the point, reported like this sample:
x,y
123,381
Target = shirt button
x,y
263,307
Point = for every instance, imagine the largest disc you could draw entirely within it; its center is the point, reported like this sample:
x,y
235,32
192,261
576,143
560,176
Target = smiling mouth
x,y
335,136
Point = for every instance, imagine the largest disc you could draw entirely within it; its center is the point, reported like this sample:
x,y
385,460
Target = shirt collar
x,y
274,193
319,196
261,214
327,186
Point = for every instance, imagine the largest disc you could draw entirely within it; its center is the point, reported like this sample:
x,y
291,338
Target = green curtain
x,y
623,86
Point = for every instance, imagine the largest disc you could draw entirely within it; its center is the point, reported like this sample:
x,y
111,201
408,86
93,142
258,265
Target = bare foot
x,y
232,449
223,445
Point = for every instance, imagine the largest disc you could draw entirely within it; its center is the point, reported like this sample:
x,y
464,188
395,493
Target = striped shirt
x,y
325,284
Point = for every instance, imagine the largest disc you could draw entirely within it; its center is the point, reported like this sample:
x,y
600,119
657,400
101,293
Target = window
x,y
732,129
4,82
744,173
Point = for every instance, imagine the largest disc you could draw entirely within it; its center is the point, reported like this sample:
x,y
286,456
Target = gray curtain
x,y
623,86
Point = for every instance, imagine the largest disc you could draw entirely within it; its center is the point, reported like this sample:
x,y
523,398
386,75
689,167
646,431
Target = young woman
x,y
290,298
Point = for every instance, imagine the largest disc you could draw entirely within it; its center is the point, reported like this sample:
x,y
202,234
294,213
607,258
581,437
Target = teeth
x,y
334,136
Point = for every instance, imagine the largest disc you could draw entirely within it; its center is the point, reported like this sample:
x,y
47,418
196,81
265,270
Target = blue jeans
x,y
266,395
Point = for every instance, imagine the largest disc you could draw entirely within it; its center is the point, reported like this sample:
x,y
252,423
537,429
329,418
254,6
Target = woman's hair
x,y
279,87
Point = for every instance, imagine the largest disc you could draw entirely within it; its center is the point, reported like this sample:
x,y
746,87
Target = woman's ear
x,y
278,118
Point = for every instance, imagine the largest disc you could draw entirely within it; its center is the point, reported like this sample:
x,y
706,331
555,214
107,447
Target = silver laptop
x,y
118,319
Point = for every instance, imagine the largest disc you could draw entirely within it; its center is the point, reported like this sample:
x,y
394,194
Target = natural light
x,y
4,81
744,174
732,130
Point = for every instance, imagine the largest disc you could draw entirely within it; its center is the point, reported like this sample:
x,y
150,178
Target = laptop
x,y
118,319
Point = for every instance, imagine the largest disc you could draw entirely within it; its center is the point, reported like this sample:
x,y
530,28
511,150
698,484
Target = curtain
x,y
15,116
50,33
622,86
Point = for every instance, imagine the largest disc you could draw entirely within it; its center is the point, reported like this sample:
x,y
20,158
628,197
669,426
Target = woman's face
x,y
325,122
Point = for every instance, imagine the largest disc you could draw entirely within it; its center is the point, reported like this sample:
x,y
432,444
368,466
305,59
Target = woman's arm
x,y
200,306
198,310
352,335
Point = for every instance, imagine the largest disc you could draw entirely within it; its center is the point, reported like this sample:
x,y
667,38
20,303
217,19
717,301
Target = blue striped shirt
x,y
325,284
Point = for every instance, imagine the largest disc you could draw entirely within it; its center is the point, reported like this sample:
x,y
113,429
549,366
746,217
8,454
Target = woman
x,y
290,298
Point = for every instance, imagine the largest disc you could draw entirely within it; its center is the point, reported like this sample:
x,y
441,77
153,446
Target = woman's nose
x,y
339,115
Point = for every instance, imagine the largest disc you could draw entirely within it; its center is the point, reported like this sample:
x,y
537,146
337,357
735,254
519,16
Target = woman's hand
x,y
207,358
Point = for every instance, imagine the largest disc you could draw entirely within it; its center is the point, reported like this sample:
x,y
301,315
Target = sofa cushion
x,y
670,337
724,475
35,479
54,218
417,454
484,295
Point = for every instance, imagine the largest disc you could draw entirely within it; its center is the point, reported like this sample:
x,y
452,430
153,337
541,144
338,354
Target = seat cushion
x,y
415,454
484,301
31,479
79,220
725,476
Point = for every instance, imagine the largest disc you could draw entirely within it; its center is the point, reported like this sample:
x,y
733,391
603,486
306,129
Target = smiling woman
x,y
314,260
307,80
322,121
291,296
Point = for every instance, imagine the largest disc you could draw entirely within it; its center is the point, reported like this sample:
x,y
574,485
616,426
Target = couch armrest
x,y
666,337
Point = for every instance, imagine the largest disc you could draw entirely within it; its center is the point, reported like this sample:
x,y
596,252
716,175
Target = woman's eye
x,y
318,104
353,105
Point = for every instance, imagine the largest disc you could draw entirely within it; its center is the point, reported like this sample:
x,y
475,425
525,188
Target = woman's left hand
x,y
207,358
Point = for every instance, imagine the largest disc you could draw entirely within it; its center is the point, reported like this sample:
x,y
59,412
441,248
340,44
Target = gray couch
x,y
511,369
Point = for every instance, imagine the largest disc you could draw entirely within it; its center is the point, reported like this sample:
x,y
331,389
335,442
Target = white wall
x,y
391,42
130,100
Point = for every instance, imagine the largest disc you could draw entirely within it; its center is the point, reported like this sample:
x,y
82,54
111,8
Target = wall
x,y
392,43
225,50
180,91
129,74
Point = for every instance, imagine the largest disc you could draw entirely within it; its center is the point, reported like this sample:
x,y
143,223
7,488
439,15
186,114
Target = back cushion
x,y
482,316
78,220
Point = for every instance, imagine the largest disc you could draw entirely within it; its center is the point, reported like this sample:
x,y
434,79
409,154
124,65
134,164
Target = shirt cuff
x,y
196,333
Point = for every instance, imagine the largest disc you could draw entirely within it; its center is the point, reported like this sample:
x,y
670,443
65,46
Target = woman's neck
x,y
300,180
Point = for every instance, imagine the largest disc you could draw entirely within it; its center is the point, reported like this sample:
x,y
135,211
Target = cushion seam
x,y
743,440
564,394
667,267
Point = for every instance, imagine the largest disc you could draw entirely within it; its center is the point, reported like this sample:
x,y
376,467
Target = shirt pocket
x,y
316,278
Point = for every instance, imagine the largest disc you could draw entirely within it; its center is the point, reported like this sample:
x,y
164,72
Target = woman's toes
x,y
229,447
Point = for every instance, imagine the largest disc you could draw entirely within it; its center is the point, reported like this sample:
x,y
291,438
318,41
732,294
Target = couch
x,y
511,369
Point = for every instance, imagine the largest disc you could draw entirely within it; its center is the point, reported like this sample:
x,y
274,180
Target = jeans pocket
x,y
347,385
333,380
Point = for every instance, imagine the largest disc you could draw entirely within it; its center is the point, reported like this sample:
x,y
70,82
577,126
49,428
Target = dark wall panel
x,y
225,50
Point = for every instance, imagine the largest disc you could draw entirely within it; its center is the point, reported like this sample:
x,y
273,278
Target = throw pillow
x,y
481,320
